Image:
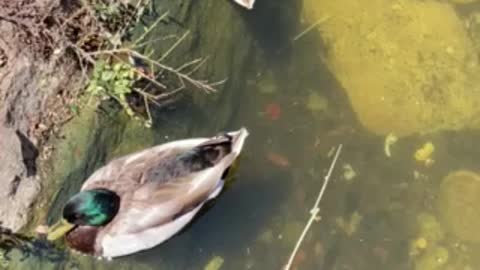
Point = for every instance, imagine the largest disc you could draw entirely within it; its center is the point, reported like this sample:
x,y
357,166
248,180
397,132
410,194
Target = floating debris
x,y
266,84
421,243
351,226
390,140
433,259
266,237
278,159
424,154
272,111
316,102
215,263
418,245
348,172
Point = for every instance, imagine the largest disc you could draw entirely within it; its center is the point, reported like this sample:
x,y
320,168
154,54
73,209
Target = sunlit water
x,y
297,113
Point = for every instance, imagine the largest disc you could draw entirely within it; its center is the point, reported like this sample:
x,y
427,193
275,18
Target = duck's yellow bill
x,y
59,229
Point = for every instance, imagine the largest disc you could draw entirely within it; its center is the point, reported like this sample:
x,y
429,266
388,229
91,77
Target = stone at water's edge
x,y
407,66
19,184
33,90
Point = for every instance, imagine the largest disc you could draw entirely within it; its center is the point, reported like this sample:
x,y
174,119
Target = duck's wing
x,y
163,163
126,173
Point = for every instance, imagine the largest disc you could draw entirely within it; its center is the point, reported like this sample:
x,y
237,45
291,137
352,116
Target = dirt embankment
x,y
38,79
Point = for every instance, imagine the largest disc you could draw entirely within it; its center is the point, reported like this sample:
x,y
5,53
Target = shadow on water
x,y
273,25
21,252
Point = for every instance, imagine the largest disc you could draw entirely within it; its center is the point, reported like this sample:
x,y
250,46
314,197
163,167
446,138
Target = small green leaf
x,y
74,109
107,75
117,67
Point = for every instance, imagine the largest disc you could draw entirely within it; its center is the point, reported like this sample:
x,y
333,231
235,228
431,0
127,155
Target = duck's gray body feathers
x,y
161,189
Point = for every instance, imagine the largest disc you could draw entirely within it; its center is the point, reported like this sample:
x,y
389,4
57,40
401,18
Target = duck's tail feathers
x,y
215,150
238,139
248,4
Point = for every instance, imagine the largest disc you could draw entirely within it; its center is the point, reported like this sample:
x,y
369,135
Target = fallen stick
x,y
315,209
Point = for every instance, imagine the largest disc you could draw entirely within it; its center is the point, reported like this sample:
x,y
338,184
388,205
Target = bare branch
x,y
150,28
315,209
174,46
153,40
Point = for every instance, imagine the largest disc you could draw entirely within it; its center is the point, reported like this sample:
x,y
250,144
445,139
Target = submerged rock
x,y
458,204
407,66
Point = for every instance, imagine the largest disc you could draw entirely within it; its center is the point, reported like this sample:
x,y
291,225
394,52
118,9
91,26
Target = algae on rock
x,y
407,66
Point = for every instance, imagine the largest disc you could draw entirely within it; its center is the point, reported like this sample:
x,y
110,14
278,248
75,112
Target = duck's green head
x,y
95,207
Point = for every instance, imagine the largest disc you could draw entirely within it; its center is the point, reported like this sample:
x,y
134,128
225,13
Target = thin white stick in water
x,y
315,209
311,27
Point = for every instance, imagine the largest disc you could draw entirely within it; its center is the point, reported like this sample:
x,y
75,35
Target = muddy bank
x,y
35,88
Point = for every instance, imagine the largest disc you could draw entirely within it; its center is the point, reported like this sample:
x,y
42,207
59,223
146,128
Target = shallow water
x,y
297,112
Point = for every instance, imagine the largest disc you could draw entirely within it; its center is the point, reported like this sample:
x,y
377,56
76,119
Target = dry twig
x,y
311,27
315,209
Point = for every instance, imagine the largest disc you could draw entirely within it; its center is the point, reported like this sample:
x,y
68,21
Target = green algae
x,y
408,67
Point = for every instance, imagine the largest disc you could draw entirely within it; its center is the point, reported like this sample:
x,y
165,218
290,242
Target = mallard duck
x,y
245,3
141,200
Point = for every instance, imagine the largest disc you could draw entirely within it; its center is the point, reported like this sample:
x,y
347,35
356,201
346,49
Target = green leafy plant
x,y
135,80
107,10
113,81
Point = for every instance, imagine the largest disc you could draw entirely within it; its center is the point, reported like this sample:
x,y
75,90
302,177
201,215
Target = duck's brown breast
x,y
83,239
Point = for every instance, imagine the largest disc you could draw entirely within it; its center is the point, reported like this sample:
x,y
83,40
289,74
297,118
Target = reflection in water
x,y
21,252
380,211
